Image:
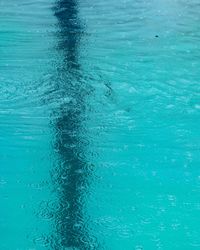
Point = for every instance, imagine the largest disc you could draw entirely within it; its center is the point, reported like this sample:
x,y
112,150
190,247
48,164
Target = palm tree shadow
x,y
72,176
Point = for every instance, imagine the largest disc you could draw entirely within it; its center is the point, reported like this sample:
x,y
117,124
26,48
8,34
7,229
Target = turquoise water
x,y
99,125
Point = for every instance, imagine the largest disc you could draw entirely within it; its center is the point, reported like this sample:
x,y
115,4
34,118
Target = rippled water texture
x,y
99,124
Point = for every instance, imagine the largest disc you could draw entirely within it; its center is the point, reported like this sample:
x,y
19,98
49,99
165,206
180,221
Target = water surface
x,y
99,134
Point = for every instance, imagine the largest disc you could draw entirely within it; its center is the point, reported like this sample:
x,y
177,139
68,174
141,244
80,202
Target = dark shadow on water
x,y
72,175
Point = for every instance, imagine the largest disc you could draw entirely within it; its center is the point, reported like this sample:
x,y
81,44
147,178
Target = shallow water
x,y
99,124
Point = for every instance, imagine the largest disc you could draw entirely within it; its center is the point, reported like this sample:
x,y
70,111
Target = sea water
x,y
99,124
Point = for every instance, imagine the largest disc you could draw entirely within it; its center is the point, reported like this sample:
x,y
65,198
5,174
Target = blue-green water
x,y
99,125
